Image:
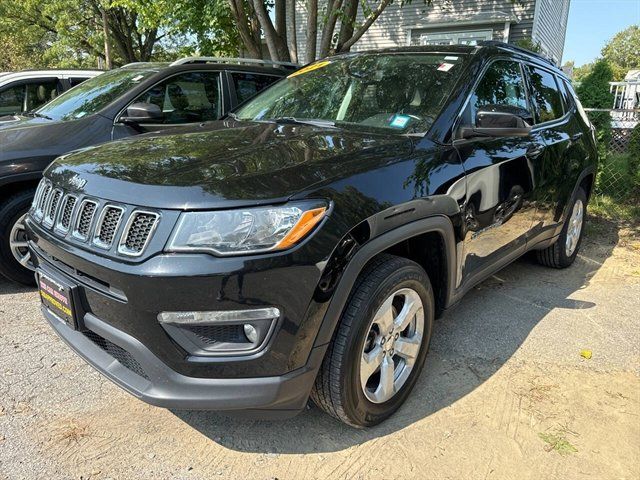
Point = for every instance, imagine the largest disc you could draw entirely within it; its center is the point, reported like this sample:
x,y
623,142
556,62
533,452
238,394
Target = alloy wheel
x,y
18,243
575,228
392,345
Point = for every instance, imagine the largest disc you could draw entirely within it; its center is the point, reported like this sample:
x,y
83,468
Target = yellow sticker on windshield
x,y
310,68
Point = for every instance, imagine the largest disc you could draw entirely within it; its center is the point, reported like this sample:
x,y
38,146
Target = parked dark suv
x,y
138,98
304,245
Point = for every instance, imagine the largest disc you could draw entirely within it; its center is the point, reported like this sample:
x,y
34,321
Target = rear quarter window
x,y
545,96
248,84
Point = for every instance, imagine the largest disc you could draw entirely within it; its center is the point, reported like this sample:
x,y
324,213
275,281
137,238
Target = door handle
x,y
576,136
534,151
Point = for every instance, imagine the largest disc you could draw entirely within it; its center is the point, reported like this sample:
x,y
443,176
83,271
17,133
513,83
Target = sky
x,y
592,23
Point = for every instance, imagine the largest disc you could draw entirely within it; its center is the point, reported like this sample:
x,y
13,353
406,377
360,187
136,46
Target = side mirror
x,y
141,112
498,122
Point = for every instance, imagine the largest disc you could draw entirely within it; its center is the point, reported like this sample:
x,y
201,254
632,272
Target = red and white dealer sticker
x,y
445,67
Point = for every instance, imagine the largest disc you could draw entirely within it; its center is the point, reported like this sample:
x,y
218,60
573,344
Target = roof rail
x,y
134,63
510,46
247,61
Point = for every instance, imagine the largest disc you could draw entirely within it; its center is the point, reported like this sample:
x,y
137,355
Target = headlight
x,y
245,230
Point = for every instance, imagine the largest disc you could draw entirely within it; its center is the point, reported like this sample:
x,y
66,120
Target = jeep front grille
x,y
93,221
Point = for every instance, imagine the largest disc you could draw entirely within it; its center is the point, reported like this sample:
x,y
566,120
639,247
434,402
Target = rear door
x,y
498,210
552,167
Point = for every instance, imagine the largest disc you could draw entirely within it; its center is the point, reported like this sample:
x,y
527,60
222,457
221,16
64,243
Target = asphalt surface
x,y
505,393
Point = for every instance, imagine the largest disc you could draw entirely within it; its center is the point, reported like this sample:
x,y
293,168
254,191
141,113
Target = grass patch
x,y
558,442
607,207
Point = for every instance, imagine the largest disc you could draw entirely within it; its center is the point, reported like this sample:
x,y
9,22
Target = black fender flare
x,y
439,224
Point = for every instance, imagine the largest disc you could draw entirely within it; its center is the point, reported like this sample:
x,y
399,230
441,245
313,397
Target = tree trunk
x,y
276,44
312,29
347,23
293,35
246,28
107,41
373,16
333,9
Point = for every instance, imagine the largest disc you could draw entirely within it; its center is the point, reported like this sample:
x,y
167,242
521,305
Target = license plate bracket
x,y
59,298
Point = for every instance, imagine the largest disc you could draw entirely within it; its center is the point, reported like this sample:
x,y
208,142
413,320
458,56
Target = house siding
x,y
402,25
550,25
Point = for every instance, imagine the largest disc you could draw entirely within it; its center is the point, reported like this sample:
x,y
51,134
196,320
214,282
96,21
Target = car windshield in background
x,y
400,92
93,95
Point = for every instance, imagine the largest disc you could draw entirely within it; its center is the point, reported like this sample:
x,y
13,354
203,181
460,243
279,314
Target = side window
x,y
501,88
73,81
248,84
187,98
544,95
41,92
567,98
12,99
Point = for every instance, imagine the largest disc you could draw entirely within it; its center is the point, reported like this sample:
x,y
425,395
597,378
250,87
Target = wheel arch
x,y
398,241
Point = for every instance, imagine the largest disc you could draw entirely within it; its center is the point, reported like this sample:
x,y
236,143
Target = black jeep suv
x,y
137,98
304,245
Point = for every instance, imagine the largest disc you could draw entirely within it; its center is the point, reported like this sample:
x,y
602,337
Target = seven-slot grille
x,y
92,220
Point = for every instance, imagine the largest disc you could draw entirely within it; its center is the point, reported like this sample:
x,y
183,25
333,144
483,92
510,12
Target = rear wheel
x,y
564,251
15,259
380,344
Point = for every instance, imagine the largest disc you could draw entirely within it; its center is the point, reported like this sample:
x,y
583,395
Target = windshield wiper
x,y
37,115
294,120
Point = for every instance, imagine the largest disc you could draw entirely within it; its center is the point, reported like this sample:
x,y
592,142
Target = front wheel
x,y
380,344
15,259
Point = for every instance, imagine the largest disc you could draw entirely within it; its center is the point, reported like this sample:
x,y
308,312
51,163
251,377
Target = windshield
x,y
93,95
397,92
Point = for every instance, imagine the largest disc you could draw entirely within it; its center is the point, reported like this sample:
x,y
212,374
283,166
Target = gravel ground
x,y
505,394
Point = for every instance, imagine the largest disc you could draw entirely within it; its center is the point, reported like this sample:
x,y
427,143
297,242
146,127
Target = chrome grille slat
x,y
42,201
51,208
137,232
66,213
107,225
84,219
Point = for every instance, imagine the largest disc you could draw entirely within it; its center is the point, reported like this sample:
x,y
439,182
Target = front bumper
x,y
150,380
122,338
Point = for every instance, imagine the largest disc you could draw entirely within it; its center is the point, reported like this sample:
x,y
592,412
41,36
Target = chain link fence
x,y
617,190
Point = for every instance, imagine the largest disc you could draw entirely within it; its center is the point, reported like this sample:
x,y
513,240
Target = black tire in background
x,y
338,390
11,210
555,256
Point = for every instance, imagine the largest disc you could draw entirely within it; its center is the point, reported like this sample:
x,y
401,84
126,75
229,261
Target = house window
x,y
456,38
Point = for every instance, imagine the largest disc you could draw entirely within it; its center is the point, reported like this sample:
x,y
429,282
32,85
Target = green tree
x,y
73,33
623,51
594,93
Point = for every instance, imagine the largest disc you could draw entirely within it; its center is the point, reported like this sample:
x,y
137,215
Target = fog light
x,y
251,333
223,332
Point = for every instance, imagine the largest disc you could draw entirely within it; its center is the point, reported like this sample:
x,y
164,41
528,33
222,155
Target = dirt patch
x,y
506,393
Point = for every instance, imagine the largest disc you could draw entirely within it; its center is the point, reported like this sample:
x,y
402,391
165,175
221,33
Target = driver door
x,y
499,212
185,98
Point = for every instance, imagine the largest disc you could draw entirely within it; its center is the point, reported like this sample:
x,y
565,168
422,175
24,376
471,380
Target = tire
x,y
338,388
556,255
11,210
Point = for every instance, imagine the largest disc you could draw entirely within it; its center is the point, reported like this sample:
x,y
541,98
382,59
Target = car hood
x,y
222,164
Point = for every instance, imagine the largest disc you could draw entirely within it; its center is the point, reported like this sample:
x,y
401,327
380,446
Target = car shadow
x,y
471,342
